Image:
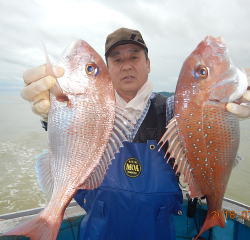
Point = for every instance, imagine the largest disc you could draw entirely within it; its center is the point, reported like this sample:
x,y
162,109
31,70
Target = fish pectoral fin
x,y
194,189
44,174
238,159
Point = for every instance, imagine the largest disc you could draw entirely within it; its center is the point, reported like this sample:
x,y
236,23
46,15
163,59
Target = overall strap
x,y
153,125
159,103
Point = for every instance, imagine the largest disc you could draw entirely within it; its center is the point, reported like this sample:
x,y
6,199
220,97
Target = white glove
x,y
241,110
36,89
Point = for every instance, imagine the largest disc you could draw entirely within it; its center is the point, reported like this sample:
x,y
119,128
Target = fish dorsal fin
x,y
176,151
123,124
43,173
56,89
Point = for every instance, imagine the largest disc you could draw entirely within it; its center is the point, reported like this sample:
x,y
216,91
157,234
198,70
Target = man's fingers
x,y
34,74
37,82
41,107
247,70
42,96
246,95
242,111
35,88
239,110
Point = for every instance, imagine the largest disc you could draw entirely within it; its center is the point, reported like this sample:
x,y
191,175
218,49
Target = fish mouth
x,y
230,87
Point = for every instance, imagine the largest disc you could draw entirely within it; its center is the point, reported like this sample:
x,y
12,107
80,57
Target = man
x,y
140,194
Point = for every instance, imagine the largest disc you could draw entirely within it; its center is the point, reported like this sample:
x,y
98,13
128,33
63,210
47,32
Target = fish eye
x,y
202,71
91,68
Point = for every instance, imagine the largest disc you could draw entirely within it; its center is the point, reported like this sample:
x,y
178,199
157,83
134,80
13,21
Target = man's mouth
x,y
127,77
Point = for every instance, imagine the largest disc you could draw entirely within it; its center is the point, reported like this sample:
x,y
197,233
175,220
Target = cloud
x,y
171,30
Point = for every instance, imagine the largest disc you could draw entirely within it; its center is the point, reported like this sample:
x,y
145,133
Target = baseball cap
x,y
123,36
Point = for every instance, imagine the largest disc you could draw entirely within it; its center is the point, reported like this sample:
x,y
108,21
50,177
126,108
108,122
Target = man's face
x,y
128,69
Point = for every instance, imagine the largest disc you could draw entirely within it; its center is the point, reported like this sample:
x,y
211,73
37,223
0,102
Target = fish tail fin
x,y
211,221
38,228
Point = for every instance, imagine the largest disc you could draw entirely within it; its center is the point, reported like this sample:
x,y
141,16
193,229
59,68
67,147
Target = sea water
x,y
22,138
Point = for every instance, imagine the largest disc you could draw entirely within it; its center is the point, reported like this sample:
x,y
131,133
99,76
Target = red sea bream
x,y
82,133
203,136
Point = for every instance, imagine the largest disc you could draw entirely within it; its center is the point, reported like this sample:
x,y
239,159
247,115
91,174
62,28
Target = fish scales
x,y
208,133
79,132
210,138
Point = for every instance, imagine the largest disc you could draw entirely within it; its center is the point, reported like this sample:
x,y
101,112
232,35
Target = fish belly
x,y
78,136
211,138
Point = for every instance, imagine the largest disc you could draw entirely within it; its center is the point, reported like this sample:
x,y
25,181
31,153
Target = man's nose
x,y
126,65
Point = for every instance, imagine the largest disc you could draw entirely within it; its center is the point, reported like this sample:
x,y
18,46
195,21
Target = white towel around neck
x,y
138,103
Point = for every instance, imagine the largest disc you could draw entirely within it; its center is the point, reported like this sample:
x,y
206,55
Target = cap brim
x,y
123,42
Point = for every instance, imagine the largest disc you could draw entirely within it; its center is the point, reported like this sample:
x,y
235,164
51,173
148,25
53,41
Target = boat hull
x,y
237,225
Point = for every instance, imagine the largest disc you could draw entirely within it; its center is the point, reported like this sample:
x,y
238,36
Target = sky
x,y
171,29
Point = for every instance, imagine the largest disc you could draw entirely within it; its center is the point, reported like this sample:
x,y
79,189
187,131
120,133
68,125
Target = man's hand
x,y
240,110
36,88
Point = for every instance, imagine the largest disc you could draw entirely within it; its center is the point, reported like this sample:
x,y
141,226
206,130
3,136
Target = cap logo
x,y
138,39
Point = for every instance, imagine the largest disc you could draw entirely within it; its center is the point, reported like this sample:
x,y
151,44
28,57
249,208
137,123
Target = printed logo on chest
x,y
132,167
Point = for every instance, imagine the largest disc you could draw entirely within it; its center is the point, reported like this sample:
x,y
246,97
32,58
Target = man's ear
x,y
148,64
107,62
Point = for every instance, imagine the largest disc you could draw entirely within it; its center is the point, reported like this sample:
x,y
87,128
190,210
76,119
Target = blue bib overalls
x,y
137,199
133,208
